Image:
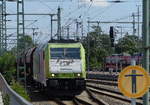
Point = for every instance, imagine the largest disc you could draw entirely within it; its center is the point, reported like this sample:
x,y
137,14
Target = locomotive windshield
x,y
62,53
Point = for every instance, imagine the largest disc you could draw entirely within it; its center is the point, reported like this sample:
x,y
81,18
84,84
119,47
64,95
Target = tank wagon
x,y
57,67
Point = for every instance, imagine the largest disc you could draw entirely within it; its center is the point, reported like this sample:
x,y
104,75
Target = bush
x,y
6,99
7,66
20,90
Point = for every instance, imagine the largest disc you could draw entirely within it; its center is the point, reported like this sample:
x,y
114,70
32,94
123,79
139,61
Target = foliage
x,y
99,47
28,44
27,40
20,90
7,66
6,99
8,69
129,44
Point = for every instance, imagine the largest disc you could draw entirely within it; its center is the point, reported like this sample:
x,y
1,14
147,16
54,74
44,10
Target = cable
x,y
102,11
10,35
122,18
87,11
70,14
46,5
90,6
113,1
79,9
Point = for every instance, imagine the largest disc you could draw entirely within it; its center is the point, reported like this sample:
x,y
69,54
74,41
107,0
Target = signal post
x,y
146,41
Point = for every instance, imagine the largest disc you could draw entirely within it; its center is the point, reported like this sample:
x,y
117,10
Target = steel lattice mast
x,y
3,35
20,43
1,30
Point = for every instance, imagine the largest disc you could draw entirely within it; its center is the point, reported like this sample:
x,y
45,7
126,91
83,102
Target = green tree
x,y
99,47
129,44
7,66
27,40
28,44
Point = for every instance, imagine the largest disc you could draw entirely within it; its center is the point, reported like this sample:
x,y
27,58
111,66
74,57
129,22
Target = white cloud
x,y
102,3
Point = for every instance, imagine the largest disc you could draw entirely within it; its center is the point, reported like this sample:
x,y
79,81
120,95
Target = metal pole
x,y
4,25
23,27
82,29
145,30
51,27
62,32
121,37
1,29
33,29
133,100
138,22
17,40
99,32
121,31
77,28
21,46
68,32
116,64
88,36
59,24
133,23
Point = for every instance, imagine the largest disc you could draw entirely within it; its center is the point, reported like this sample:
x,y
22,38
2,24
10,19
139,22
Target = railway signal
x,y
111,33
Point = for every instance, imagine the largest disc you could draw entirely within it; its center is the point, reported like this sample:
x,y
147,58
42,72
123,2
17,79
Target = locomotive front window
x,y
68,53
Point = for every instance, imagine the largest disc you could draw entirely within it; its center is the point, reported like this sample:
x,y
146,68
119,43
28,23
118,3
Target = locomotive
x,y
57,66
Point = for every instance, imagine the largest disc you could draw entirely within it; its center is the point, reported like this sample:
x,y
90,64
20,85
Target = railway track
x,y
102,76
104,82
98,92
86,98
89,99
109,91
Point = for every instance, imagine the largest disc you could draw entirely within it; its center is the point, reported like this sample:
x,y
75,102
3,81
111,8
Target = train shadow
x,y
36,94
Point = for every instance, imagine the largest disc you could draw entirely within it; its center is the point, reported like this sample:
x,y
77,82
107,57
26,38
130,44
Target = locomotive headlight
x,y
53,75
78,75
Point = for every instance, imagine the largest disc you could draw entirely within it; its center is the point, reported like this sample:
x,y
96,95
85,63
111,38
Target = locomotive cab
x,y
60,67
66,66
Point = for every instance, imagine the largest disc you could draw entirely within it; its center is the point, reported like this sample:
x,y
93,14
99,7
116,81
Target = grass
x,y
17,87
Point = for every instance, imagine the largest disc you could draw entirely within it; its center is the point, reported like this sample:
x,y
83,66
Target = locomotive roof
x,y
42,46
63,41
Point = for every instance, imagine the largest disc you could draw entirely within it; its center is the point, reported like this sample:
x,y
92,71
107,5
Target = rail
x,y
13,97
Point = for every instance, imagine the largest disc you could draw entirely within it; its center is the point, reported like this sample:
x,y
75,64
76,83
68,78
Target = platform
x,y
1,101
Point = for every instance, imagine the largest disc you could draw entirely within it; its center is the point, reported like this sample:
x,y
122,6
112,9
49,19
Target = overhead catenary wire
x,y
85,13
71,13
123,18
81,0
112,1
66,1
45,5
101,12
28,25
90,7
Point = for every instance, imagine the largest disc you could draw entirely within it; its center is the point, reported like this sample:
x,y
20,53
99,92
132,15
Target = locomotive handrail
x,y
14,98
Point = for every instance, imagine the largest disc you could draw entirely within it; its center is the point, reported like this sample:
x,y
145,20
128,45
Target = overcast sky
x,y
101,10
